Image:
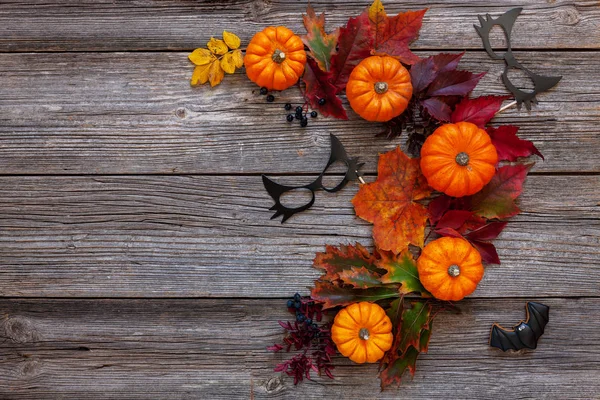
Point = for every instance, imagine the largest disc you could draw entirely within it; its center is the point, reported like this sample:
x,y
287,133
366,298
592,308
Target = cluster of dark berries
x,y
313,342
264,91
300,114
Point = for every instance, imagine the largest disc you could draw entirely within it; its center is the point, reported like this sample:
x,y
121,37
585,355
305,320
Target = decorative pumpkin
x,y
458,159
275,58
379,88
362,332
450,268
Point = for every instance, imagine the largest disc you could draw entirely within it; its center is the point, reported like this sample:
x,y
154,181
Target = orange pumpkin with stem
x,y
458,159
275,58
450,268
379,88
362,332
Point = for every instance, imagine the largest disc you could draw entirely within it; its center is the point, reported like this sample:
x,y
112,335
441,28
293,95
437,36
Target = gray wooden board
x,y
182,25
214,349
166,236
123,113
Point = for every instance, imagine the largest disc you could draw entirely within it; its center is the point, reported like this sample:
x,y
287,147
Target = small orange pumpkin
x,y
379,88
362,332
275,58
458,159
450,268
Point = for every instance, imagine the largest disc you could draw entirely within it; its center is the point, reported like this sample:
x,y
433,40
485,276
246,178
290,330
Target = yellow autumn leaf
x,y
238,58
215,73
217,46
200,75
228,63
377,13
232,40
201,57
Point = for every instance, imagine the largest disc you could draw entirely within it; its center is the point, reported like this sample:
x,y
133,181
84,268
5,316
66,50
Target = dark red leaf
x,y
454,83
319,86
354,44
394,36
438,108
509,146
454,219
487,251
438,207
479,110
448,232
424,71
487,232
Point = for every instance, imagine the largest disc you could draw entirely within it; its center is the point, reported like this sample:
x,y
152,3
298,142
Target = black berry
x,y
287,106
299,110
297,297
308,321
290,303
300,318
303,122
313,114
321,102
297,304
290,117
270,98
263,90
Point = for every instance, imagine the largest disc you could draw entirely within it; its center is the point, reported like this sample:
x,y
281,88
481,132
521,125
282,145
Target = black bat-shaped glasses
x,y
540,83
338,153
526,333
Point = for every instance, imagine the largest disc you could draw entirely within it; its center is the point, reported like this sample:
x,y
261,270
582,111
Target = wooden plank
x,y
109,25
131,113
215,349
166,236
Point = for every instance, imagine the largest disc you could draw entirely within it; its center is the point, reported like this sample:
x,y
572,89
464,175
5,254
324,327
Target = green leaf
x,y
360,278
392,374
415,320
401,269
321,44
332,295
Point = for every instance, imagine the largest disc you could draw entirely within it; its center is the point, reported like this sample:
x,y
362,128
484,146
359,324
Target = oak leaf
x,y
319,86
509,146
390,203
322,45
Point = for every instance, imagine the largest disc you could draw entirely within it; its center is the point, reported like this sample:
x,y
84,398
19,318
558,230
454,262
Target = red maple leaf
x,y
509,146
319,86
390,202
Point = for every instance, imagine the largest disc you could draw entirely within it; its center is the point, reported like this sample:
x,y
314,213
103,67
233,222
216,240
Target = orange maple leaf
x,y
390,203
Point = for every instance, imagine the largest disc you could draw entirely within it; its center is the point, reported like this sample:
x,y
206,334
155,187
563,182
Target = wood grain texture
x,y
108,25
215,349
164,236
135,113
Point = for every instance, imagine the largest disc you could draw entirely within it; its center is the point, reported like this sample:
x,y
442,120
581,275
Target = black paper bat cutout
x,y
540,83
338,153
526,333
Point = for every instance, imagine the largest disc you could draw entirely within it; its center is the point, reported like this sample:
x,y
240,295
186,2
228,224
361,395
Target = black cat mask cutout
x,y
540,83
526,333
338,153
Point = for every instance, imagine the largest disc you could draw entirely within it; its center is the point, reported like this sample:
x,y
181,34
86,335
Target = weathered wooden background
x,y
137,258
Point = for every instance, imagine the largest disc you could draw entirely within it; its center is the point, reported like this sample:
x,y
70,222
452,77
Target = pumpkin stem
x,y
381,87
462,159
363,334
278,56
454,270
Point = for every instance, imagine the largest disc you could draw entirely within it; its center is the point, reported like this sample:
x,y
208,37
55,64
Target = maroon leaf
x,y
319,86
454,219
437,207
438,109
487,251
509,146
354,44
427,69
479,110
487,232
448,232
454,83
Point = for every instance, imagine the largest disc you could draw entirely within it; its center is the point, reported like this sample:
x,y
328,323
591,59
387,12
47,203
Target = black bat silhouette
x,y
526,333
